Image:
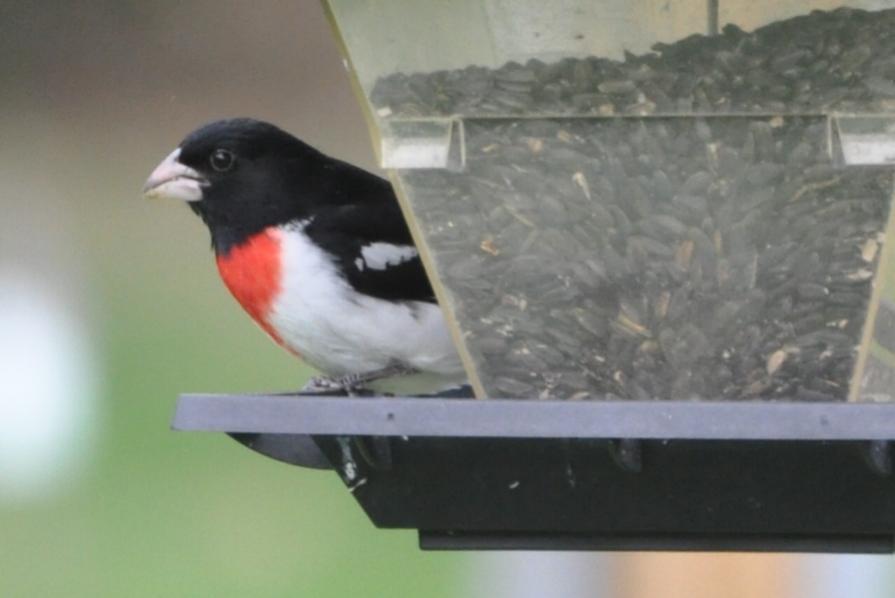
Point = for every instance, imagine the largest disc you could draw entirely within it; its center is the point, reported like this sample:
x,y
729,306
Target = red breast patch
x,y
252,271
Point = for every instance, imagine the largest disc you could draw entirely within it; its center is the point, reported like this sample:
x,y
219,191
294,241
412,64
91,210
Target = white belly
x,y
339,331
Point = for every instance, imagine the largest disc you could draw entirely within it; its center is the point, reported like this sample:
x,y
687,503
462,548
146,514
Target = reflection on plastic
x,y
411,144
867,139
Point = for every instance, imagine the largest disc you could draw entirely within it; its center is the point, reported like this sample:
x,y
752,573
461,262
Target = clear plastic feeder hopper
x,y
685,199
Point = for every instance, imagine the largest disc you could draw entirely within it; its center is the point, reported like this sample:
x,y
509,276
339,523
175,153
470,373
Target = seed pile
x,y
839,60
660,258
714,257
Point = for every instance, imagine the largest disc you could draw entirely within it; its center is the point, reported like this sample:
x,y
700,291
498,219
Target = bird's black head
x,y
239,175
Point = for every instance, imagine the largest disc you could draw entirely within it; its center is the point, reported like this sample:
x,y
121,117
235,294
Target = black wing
x,y
370,222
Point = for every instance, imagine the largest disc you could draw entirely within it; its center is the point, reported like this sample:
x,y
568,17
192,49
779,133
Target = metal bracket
x,y
627,454
878,455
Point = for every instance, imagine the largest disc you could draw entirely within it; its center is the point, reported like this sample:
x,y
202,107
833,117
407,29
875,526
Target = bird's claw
x,y
353,384
323,384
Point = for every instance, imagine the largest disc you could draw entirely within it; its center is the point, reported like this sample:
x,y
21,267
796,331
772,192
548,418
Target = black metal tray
x,y
588,475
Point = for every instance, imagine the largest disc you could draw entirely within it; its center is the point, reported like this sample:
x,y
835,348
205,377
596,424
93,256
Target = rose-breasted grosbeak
x,y
315,250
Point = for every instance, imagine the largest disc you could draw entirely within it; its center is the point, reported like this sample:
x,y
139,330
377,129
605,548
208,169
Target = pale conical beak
x,y
174,180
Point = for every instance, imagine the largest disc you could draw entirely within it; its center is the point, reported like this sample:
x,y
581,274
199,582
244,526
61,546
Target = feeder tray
x,y
588,475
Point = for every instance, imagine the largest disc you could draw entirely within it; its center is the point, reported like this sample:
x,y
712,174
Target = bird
x,y
316,251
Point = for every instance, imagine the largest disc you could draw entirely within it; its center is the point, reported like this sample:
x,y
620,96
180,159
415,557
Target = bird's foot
x,y
353,384
323,385
358,380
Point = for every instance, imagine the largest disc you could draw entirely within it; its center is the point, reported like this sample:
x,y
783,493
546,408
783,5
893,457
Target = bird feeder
x,y
661,235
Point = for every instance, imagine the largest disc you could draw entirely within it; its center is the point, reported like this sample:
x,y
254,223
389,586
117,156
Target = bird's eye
x,y
222,160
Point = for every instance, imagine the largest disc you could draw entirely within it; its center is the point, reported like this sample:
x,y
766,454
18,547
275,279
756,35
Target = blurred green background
x,y
110,306
92,96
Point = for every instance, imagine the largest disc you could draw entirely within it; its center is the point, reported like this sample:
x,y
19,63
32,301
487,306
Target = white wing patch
x,y
379,256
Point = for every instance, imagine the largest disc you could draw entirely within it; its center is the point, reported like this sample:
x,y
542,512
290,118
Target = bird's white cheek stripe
x,y
379,256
